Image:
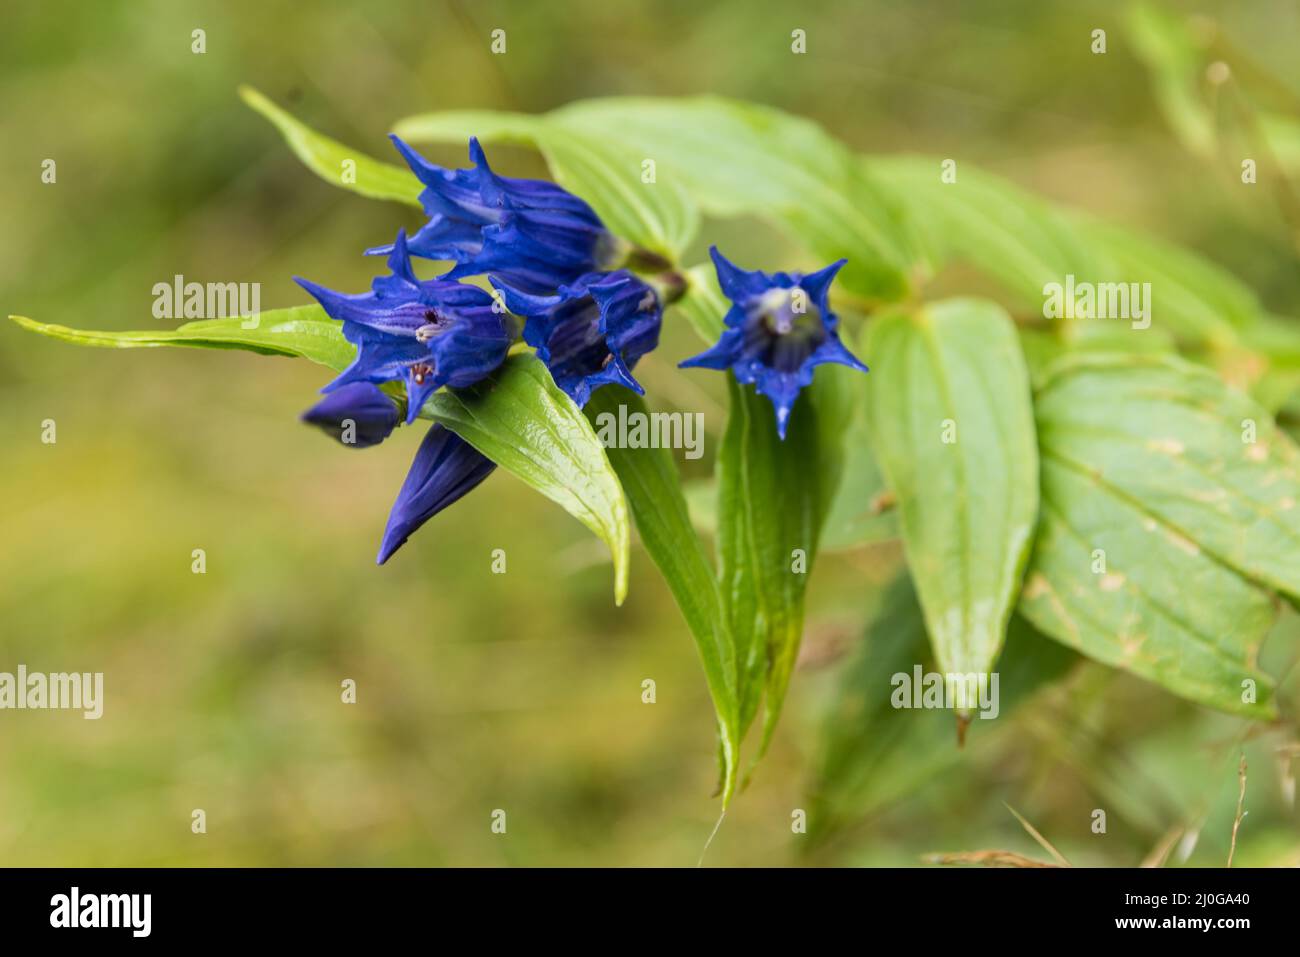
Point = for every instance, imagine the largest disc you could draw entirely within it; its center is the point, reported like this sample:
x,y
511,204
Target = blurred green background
x,y
519,691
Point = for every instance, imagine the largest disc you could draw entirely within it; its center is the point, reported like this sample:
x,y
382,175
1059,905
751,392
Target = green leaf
x,y
1025,243
455,126
736,157
1281,136
297,331
950,419
658,216
1196,300
861,511
874,754
520,419
607,173
771,501
858,513
336,163
732,158
851,483
1278,341
1006,232
1163,528
1044,348
654,492
1276,338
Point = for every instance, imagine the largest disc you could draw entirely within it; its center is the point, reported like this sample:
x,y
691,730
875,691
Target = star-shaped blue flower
x,y
592,331
532,234
778,330
425,333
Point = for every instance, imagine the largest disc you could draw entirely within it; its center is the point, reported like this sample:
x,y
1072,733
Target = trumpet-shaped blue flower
x,y
592,331
425,333
532,234
446,467
778,330
357,414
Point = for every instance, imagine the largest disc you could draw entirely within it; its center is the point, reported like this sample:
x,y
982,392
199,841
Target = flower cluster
x,y
554,263
589,318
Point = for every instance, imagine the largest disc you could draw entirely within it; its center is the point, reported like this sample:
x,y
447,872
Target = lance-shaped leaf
x,y
1013,236
1169,513
520,419
1026,243
1195,300
948,410
653,488
303,331
335,162
772,497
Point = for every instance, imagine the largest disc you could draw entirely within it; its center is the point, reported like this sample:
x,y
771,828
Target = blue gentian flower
x,y
357,414
592,331
446,467
425,333
778,330
533,234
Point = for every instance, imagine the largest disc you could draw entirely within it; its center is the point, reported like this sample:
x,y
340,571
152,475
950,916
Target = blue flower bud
x,y
446,467
532,234
358,414
591,332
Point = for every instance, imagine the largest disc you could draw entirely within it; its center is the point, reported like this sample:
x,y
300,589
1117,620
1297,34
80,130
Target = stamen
x,y
420,371
434,325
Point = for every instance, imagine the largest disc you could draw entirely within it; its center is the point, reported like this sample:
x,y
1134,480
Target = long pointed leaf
x,y
771,500
335,162
950,418
303,331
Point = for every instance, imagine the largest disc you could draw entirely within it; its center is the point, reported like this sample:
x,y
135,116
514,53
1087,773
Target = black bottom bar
x,y
333,906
